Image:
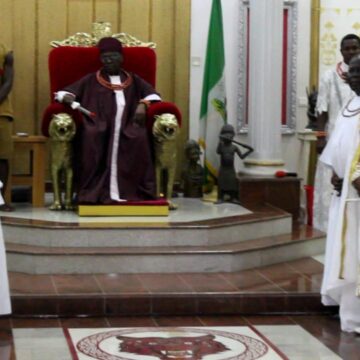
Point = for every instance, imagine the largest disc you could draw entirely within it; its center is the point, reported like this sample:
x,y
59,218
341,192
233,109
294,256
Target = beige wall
x,y
27,26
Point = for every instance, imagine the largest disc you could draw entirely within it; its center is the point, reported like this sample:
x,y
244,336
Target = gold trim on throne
x,y
99,30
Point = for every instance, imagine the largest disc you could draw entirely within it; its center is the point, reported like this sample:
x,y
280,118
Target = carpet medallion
x,y
176,343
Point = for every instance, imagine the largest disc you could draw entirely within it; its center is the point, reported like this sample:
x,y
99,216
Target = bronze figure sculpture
x,y
227,182
311,113
193,172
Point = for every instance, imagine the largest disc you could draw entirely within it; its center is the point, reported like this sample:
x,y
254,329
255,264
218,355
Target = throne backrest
x,y
68,64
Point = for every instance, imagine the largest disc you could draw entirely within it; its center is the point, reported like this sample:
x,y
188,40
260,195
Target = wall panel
x,y
135,18
109,11
25,52
52,23
80,14
181,70
162,28
6,16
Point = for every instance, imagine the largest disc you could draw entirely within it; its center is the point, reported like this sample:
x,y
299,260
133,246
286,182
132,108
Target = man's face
x,y
349,48
112,62
354,75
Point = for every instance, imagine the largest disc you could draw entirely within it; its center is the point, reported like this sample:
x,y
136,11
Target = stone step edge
x,y
168,304
267,213
172,294
234,248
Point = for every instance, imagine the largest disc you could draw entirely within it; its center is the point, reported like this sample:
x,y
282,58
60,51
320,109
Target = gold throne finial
x,y
100,29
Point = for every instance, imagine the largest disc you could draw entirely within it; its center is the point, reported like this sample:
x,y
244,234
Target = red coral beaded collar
x,y
111,86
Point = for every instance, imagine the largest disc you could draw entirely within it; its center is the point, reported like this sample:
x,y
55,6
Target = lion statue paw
x,y
55,206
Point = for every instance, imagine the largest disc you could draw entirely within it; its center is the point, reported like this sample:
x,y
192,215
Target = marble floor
x,y
298,276
30,334
288,337
188,210
291,287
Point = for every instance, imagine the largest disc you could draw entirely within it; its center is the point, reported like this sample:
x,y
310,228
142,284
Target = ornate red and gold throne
x,y
67,64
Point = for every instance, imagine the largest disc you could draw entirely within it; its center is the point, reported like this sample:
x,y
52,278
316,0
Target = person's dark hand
x,y
356,185
337,182
68,99
140,115
9,59
320,144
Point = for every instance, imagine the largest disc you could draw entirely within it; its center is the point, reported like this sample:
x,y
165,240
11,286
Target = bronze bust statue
x,y
311,112
193,172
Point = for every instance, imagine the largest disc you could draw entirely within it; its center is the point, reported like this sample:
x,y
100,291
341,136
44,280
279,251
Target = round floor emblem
x,y
171,344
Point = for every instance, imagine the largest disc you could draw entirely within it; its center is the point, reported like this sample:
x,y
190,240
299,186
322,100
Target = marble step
x,y
228,257
171,304
290,287
265,221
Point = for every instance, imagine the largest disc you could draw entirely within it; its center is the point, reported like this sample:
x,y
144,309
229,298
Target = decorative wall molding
x,y
289,127
335,22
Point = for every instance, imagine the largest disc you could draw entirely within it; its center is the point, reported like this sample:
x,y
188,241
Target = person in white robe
x,y
342,156
5,305
333,94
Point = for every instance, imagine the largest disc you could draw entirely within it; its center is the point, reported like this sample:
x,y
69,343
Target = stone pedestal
x,y
283,193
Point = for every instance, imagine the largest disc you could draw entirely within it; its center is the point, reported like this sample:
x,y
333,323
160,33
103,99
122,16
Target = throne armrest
x,y
157,108
57,108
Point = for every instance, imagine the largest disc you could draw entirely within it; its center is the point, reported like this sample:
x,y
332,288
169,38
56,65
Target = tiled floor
x,y
291,287
324,328
300,276
132,300
188,210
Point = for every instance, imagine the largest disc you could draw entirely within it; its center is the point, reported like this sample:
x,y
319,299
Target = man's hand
x,y
337,183
356,185
320,144
140,115
9,59
68,99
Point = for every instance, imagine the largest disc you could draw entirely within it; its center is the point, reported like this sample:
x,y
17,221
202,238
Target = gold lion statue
x,y
165,131
62,130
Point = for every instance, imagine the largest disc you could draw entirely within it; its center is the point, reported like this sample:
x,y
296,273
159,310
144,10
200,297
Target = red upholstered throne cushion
x,y
68,64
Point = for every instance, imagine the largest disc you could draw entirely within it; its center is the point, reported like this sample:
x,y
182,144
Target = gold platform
x,y
123,210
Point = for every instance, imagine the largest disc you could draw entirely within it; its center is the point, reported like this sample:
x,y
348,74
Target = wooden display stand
x,y
35,144
284,193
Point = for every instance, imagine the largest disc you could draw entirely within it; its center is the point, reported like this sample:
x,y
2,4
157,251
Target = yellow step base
x,y
123,210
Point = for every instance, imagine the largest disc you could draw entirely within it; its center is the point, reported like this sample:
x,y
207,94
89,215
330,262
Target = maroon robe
x,y
94,140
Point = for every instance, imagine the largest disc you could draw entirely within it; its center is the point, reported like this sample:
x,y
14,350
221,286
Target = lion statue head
x,y
174,348
165,127
62,127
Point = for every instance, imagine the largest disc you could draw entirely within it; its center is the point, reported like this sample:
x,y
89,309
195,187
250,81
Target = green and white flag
x,y
213,101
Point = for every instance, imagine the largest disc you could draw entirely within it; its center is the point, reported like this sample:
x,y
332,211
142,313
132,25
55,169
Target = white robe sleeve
x,y
326,156
322,103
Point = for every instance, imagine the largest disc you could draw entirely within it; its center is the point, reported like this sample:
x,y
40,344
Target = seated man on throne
x,y
113,160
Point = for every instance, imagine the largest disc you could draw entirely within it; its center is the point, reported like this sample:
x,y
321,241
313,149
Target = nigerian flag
x,y
213,101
